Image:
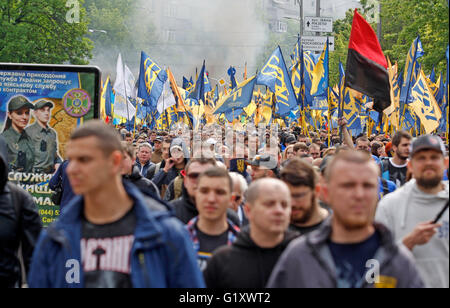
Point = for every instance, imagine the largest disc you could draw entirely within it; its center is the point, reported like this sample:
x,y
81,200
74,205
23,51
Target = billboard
x,y
40,105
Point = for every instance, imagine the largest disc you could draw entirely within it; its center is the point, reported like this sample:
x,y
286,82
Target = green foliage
x,y
402,21
37,31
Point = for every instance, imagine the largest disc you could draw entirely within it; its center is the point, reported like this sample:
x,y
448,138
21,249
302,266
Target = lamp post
x,y
94,30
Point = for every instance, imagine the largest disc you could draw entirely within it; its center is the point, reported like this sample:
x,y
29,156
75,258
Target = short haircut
x,y
128,135
108,138
399,136
350,156
238,178
145,145
254,191
216,172
314,146
299,173
362,139
201,161
300,146
128,149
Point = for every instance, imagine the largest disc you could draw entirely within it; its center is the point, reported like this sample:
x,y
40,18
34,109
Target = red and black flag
x,y
366,70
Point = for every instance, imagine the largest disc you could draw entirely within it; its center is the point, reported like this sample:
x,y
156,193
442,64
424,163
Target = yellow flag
x,y
425,105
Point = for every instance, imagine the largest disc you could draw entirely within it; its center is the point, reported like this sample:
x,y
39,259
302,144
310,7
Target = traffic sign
x,y
319,24
316,43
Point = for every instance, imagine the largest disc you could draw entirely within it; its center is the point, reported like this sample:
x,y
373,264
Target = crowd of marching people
x,y
235,208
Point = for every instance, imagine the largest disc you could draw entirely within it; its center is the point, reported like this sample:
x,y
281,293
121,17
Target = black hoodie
x,y
14,229
185,209
244,264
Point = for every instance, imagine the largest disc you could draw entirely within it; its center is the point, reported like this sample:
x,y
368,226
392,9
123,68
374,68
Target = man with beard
x,y
394,169
306,215
349,250
410,212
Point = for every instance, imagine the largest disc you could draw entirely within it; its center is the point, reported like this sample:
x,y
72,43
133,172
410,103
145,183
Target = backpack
x,y
384,165
178,187
385,187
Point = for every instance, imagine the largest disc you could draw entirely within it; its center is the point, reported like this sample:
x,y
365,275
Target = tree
x,y
39,31
403,20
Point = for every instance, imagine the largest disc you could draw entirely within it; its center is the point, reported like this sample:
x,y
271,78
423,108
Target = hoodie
x,y
161,254
185,209
402,210
163,179
244,264
308,263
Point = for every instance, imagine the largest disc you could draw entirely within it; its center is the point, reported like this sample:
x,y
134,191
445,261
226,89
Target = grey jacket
x,y
308,263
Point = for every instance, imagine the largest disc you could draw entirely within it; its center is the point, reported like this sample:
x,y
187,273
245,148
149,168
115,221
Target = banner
x,y
39,108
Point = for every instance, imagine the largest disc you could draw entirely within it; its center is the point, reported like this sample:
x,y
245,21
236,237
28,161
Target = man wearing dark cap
x,y
20,145
411,211
157,150
44,139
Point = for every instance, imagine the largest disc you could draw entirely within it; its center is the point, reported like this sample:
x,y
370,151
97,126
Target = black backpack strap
x,y
385,187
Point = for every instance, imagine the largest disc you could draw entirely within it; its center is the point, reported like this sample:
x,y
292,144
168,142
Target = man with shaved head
x,y
250,260
349,250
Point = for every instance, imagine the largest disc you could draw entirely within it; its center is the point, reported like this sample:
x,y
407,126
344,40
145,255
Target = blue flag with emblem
x,y
319,82
309,62
276,77
425,105
186,84
415,52
151,82
238,99
198,93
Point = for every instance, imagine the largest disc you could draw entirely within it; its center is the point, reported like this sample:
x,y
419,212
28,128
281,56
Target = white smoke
x,y
222,32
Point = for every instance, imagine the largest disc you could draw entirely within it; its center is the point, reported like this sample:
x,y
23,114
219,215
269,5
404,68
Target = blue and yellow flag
x,y
151,82
232,72
238,99
415,52
275,75
425,105
309,63
296,55
319,82
267,107
106,100
187,85
199,91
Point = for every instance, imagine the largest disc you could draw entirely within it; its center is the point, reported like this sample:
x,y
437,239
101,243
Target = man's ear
x,y
409,166
116,158
247,209
325,192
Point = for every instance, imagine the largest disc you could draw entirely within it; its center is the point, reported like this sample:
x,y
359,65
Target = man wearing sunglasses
x,y
185,207
44,139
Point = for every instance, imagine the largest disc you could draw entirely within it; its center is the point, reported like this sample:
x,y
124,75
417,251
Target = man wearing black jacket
x,y
19,224
184,207
249,262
